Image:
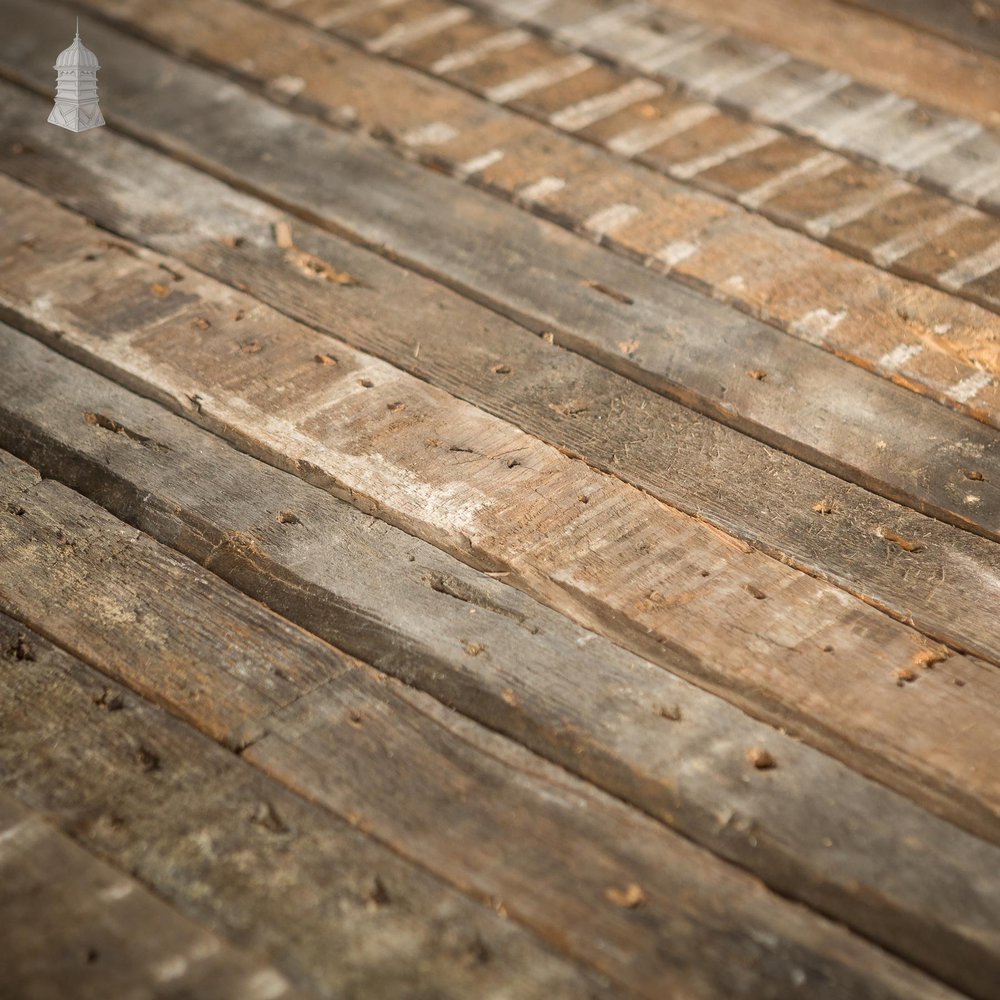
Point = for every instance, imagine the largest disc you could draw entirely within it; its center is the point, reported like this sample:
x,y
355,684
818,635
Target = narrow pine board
x,y
73,926
819,409
854,205
235,851
913,335
600,881
814,830
802,516
795,650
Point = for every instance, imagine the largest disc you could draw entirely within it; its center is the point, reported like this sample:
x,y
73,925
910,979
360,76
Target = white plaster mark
x,y
593,109
795,98
544,76
675,252
401,35
850,122
171,968
349,13
758,138
504,41
816,325
898,356
716,81
638,140
27,830
604,23
477,164
915,236
431,134
822,225
971,268
978,183
933,142
267,984
812,168
540,189
116,891
969,388
523,9
683,43
607,220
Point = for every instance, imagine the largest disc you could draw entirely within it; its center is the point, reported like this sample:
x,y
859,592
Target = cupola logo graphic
x,y
76,106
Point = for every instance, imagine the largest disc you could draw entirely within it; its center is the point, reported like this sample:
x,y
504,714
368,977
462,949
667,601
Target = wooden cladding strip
x,y
625,317
814,830
73,926
809,291
784,178
805,517
234,850
792,649
741,55
546,849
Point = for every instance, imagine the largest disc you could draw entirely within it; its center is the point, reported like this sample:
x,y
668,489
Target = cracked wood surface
x,y
648,738
597,880
792,649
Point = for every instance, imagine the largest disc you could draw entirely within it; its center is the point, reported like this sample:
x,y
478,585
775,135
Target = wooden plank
x,y
677,343
399,603
503,825
904,332
974,23
617,560
71,925
635,116
235,851
944,593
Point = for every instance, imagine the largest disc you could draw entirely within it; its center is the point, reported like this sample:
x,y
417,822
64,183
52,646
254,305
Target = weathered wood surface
x,y
854,206
843,87
814,830
237,852
903,331
795,650
73,926
803,516
610,887
824,413
973,23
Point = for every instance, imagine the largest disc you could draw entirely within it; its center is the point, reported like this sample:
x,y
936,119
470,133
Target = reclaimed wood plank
x,y
904,332
805,517
616,559
494,820
686,42
665,337
342,915
816,832
72,925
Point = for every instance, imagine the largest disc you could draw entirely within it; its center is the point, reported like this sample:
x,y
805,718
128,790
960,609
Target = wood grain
x,y
800,515
235,851
68,928
813,830
494,820
617,560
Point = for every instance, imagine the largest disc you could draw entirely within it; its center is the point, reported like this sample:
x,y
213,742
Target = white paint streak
x,y
544,76
169,969
758,138
401,35
502,42
593,109
794,98
854,120
813,168
540,189
978,183
933,142
431,134
265,985
716,81
116,891
970,387
638,140
676,252
477,163
898,356
604,23
915,236
607,220
683,43
971,268
815,326
822,225
349,13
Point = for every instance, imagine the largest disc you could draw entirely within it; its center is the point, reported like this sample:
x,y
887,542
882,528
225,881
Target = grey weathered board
x,y
822,410
68,928
239,853
792,649
803,516
646,737
603,883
